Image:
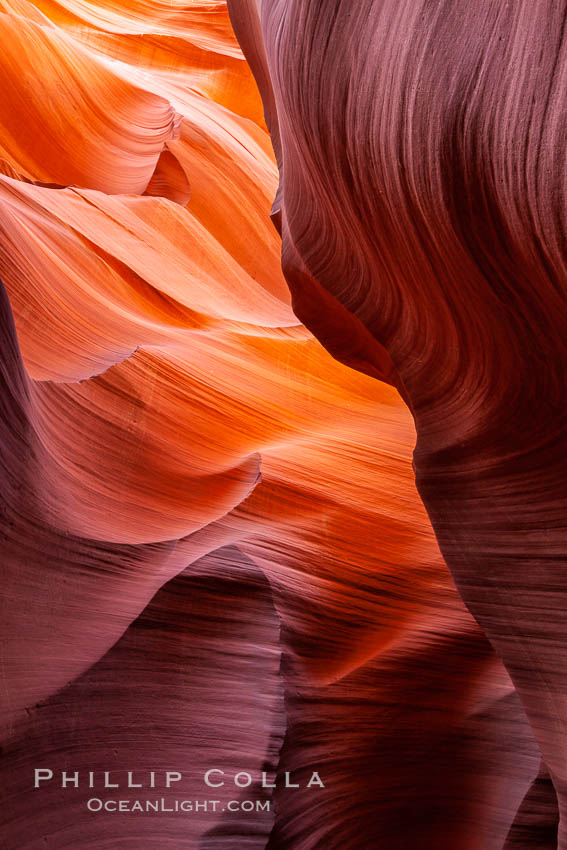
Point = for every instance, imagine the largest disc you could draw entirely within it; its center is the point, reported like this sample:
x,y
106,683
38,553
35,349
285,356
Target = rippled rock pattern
x,y
214,552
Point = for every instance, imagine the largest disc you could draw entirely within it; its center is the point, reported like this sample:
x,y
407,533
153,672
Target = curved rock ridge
x,y
422,187
214,554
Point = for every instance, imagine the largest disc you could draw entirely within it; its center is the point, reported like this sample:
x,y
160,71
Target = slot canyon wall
x,y
282,480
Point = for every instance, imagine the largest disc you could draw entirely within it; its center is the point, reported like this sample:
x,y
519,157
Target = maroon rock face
x,y
422,208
